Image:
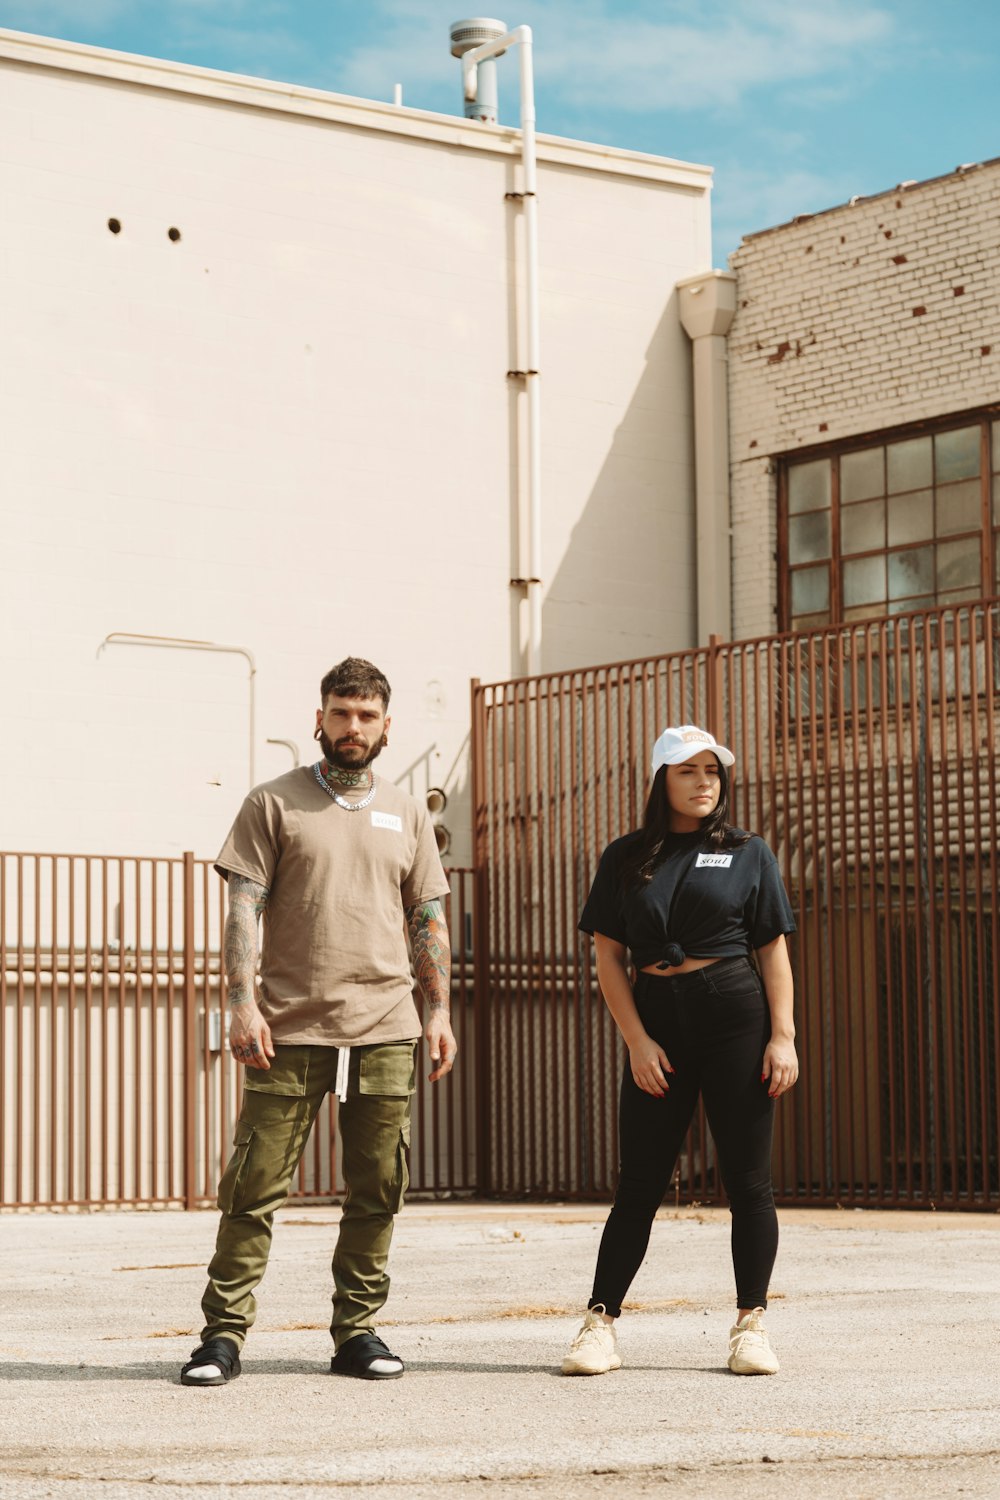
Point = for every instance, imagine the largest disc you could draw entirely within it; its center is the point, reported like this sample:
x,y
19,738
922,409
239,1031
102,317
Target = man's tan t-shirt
x,y
335,969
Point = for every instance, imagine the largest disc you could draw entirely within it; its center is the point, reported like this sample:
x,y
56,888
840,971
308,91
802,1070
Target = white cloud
x,y
648,59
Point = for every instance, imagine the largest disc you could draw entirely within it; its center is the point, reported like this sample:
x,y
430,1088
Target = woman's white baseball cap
x,y
679,743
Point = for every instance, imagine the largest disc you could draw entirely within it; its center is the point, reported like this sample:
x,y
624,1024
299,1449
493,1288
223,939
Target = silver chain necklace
x,y
342,801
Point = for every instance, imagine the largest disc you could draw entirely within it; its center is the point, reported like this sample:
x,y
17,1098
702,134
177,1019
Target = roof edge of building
x,y
911,186
240,90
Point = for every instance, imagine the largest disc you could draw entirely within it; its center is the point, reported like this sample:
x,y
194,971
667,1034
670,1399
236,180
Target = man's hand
x,y
249,1036
441,1044
432,962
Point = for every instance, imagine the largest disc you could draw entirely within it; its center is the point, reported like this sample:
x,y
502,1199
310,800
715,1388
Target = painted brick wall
x,y
870,316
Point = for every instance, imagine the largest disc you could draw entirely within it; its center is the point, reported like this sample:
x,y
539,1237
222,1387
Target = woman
x,y
691,898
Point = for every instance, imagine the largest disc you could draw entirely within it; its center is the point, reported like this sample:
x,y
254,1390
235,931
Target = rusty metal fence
x,y
866,757
116,1083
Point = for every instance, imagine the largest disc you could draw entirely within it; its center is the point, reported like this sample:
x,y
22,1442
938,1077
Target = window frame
x,y
989,528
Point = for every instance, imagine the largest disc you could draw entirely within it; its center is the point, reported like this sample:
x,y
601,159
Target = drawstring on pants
x,y
343,1067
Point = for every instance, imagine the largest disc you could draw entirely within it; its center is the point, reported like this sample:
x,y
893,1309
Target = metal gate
x,y
866,757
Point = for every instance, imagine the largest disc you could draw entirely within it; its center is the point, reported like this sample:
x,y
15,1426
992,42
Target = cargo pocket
x,y
388,1069
288,1074
234,1177
401,1179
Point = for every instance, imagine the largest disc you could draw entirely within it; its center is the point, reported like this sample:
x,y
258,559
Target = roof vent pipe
x,y
465,35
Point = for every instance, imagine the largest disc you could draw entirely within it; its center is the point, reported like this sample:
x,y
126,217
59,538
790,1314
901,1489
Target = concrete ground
x,y
886,1326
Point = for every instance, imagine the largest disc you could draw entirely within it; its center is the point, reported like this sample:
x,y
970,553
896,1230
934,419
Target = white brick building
x,y
872,325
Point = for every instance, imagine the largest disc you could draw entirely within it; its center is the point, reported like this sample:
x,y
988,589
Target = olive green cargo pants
x,y
279,1108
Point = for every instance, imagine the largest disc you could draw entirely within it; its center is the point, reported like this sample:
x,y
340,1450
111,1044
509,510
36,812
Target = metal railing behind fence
x,y
116,1082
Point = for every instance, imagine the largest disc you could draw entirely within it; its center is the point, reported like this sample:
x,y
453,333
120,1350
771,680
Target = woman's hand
x,y
650,1066
781,1066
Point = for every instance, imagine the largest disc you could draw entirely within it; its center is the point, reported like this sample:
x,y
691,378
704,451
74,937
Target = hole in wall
x,y
173,234
115,225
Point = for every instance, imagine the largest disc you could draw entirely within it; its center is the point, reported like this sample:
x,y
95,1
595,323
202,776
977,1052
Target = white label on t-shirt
x,y
716,861
387,820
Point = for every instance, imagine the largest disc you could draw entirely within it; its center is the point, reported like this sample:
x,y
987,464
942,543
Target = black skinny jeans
x,y
713,1025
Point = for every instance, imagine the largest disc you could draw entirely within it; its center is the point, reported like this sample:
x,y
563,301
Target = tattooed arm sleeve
x,y
431,952
247,900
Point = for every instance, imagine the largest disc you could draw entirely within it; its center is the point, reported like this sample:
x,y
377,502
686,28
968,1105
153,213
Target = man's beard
x,y
335,757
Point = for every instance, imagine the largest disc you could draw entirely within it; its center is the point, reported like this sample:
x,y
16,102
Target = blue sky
x,y
797,104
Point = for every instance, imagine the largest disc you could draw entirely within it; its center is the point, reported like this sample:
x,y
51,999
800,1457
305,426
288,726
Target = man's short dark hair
x,y
355,678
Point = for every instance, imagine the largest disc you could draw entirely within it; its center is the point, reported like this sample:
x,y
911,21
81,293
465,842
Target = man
x,y
336,860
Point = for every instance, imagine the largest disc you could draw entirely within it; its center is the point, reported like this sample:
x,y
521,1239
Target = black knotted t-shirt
x,y
716,903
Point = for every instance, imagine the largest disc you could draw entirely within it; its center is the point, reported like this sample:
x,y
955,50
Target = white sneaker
x,y
749,1351
594,1351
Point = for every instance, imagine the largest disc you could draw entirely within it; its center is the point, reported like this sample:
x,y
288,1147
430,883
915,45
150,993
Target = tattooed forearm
x,y
431,952
246,902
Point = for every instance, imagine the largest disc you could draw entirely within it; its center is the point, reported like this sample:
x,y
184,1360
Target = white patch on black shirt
x,y
715,861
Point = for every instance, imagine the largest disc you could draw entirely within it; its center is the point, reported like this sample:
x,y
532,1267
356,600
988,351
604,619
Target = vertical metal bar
x,y
503,945
105,1090
713,692
866,913
171,1186
899,835
968,796
946,1157
456,1117
515,1055
481,946
927,1056
797,687
589,1174
71,1050
576,1008
915,1081
612,688
4,1060
822,858
880,910
991,671
137,1046
844,647
36,1032
190,1039
55,1093
19,1068
120,1034
88,1008
777,702
989,913
230,1087
535,996
552,948
155,1066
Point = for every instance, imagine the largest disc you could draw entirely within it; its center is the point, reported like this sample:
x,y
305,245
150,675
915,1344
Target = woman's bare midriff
x,y
687,967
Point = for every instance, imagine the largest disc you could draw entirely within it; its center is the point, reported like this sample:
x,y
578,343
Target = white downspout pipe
x,y
521,37
707,308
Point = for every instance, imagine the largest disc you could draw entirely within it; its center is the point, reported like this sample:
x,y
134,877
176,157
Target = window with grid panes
x,y
902,523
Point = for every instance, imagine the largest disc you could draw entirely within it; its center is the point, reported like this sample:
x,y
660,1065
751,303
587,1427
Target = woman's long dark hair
x,y
650,849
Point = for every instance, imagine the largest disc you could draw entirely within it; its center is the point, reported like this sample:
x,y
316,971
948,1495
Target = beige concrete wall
x,y
291,429
875,314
